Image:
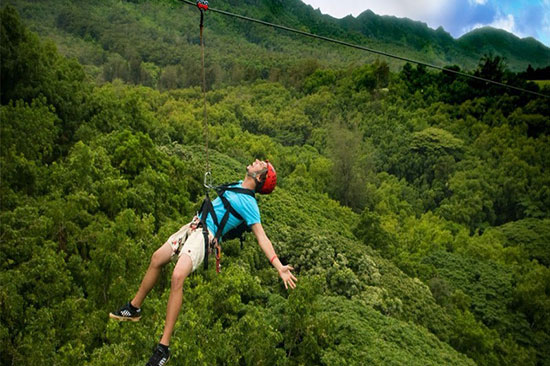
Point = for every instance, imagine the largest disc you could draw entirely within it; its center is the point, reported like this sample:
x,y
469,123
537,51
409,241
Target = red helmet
x,y
267,185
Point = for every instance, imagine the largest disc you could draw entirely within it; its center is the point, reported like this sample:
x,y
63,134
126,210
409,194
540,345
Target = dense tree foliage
x,y
155,43
413,205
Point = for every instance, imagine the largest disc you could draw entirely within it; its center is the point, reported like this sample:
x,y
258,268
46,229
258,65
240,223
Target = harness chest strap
x,y
207,208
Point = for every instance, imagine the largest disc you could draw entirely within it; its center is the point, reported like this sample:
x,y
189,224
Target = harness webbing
x,y
208,209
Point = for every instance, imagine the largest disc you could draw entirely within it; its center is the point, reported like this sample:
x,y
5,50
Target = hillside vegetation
x,y
414,206
155,43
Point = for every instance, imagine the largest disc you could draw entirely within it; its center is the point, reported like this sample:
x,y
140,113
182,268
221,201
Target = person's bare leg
x,y
161,257
183,268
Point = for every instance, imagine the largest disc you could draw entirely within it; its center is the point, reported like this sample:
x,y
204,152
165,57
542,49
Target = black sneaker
x,y
161,355
127,312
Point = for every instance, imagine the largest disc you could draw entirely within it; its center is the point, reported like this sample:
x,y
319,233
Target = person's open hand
x,y
287,277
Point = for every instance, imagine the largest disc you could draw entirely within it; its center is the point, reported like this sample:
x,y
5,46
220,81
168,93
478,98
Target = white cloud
x,y
456,16
544,34
414,9
546,19
505,22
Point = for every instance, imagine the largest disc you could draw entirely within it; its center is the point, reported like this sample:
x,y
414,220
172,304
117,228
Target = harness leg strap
x,y
218,257
206,245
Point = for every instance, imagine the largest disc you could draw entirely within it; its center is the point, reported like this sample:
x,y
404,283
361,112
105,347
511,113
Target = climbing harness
x,y
208,209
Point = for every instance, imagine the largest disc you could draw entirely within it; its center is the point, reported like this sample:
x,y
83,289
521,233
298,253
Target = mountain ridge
x,y
154,42
439,29
469,42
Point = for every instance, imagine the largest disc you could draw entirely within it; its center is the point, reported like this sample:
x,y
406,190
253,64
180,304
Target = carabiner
x,y
208,180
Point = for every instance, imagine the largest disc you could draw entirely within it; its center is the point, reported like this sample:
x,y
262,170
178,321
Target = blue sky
x,y
524,18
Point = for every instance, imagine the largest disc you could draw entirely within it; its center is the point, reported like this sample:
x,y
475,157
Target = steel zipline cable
x,y
208,174
347,44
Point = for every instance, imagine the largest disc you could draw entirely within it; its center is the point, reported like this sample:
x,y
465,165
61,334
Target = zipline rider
x,y
234,206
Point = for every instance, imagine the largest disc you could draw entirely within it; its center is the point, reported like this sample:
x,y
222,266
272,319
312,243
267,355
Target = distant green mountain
x,y
436,46
517,51
155,43
403,34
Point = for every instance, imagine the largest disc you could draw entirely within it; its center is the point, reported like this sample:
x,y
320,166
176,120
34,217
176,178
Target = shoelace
x,y
127,311
158,358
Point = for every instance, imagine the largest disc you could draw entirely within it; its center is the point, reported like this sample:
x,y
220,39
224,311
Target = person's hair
x,y
263,176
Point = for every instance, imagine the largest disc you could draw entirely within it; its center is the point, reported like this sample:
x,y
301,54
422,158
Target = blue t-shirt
x,y
244,204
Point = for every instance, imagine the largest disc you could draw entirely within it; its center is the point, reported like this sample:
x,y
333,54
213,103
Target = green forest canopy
x,y
413,205
155,43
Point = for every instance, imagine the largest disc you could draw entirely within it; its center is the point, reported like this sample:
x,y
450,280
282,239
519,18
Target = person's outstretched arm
x,y
264,242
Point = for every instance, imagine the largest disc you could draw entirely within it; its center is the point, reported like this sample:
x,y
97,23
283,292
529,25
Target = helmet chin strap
x,y
253,175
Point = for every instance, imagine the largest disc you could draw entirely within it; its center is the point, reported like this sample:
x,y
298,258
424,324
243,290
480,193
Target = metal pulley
x,y
202,5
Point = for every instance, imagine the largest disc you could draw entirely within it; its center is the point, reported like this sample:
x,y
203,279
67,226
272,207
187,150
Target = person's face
x,y
257,166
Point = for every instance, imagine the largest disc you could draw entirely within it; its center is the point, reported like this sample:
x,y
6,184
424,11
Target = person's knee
x,y
178,277
158,258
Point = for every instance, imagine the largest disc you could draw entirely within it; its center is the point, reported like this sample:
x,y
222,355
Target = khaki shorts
x,y
189,240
